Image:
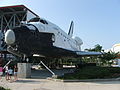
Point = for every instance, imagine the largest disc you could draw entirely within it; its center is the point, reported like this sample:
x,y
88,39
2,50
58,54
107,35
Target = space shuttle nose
x,y
9,37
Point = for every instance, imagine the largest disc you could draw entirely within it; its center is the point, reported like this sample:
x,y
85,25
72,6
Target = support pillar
x,y
24,70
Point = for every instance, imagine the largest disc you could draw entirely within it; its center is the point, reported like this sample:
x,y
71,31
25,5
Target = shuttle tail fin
x,y
70,33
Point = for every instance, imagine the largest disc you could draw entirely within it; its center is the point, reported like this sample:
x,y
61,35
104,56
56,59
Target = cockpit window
x,y
34,20
43,21
38,20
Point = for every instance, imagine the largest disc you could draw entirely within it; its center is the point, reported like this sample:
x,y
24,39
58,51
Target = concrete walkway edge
x,y
86,80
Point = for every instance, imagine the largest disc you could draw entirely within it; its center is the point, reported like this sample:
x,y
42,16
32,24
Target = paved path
x,y
44,84
41,83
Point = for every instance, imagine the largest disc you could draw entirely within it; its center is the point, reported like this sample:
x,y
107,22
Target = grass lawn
x,y
93,73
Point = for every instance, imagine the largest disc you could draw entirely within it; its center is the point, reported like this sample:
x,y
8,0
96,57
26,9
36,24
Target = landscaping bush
x,y
2,88
83,64
93,73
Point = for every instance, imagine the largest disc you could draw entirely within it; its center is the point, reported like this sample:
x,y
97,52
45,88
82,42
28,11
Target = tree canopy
x,y
97,48
106,57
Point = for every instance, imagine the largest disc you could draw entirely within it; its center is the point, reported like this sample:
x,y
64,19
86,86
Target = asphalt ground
x,y
39,82
44,84
43,73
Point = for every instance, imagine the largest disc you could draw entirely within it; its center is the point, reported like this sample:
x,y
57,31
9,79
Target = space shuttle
x,y
44,39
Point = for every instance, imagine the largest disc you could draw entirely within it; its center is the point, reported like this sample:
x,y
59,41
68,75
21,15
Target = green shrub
x,y
93,73
2,88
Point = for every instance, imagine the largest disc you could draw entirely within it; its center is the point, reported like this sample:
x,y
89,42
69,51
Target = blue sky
x,y
96,21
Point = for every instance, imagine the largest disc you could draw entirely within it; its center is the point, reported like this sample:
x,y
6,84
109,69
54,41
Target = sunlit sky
x,y
96,21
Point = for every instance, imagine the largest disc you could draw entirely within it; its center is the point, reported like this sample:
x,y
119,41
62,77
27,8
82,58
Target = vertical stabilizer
x,y
70,33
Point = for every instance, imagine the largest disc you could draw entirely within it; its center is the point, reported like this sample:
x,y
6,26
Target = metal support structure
x,y
1,24
12,16
7,64
11,22
53,74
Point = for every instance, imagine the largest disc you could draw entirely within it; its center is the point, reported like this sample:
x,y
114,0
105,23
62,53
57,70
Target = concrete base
x,y
118,62
24,70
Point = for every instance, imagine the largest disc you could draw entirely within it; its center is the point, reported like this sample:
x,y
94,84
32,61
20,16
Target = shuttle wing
x,y
83,53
